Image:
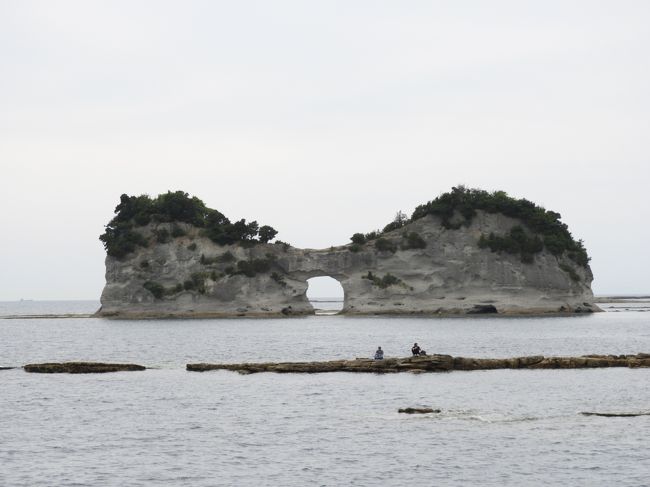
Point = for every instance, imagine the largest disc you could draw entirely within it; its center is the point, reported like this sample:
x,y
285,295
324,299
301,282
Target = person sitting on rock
x,y
415,349
379,354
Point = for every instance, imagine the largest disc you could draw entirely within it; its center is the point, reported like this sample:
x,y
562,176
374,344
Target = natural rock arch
x,y
325,294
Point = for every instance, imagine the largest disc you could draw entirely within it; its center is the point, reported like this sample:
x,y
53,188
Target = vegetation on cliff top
x,y
410,240
121,237
541,228
544,225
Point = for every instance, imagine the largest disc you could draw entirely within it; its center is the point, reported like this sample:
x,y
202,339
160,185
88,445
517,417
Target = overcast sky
x,y
318,118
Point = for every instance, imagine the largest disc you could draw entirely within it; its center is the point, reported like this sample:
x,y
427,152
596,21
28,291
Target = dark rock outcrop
x,y
615,415
80,368
418,410
433,363
481,309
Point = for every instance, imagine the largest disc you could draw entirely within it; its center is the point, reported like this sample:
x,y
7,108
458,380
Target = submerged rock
x,y
432,363
615,415
418,410
80,368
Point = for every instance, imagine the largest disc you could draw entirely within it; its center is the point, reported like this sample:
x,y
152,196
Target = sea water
x,y
166,426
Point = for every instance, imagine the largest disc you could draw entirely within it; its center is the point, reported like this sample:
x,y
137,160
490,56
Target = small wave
x,y
480,418
488,418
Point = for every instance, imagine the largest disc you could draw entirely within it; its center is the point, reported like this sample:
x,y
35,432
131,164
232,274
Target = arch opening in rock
x,y
325,294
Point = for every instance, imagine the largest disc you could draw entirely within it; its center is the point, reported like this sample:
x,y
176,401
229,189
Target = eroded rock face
x,y
192,276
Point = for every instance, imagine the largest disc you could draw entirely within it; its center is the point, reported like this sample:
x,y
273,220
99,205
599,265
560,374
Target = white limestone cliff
x,y
194,277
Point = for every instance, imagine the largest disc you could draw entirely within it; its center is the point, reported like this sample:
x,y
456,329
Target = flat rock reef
x,y
80,368
433,363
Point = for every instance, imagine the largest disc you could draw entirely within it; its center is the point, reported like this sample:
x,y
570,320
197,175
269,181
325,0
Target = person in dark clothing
x,y
379,354
415,349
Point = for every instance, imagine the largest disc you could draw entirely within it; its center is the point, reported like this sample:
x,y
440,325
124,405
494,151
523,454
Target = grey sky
x,y
319,118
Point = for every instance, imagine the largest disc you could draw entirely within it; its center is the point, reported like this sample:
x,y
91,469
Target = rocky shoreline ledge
x,y
432,363
449,313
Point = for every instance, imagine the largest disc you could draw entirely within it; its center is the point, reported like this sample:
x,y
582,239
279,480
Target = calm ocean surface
x,y
171,427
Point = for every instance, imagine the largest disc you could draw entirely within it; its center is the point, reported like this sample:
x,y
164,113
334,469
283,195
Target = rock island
x,y
468,251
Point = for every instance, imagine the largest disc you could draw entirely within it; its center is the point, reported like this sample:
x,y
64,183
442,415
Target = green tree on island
x,y
122,237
